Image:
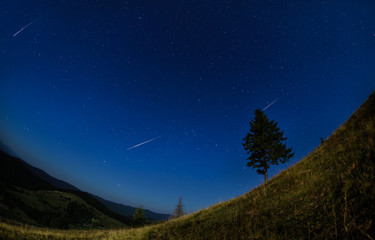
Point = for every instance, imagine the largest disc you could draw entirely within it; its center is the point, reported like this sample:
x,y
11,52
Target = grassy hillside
x,y
328,195
24,232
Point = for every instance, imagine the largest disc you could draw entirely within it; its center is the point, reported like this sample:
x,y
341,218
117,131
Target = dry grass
x,y
18,232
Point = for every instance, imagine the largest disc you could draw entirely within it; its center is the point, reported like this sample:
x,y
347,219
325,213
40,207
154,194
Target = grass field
x,y
328,195
25,232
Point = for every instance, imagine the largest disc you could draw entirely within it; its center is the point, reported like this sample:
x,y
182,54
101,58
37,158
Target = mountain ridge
x,y
122,209
26,197
129,211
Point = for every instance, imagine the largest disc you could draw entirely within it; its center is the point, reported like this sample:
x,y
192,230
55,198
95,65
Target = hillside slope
x,y
51,180
17,170
25,197
328,195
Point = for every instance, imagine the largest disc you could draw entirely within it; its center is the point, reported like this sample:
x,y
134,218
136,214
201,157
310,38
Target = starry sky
x,y
83,82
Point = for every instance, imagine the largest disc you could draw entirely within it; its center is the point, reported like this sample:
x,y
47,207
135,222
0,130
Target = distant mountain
x,y
14,172
25,197
123,210
38,172
129,211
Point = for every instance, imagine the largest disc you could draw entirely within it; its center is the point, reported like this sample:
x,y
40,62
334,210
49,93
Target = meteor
x,y
23,28
140,144
269,105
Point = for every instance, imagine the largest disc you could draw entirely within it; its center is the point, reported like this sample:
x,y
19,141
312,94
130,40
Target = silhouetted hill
x,y
14,172
25,197
48,178
129,211
38,172
19,176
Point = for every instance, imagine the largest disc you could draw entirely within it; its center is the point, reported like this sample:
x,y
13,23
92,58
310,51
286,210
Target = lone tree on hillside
x,y
179,210
265,144
139,218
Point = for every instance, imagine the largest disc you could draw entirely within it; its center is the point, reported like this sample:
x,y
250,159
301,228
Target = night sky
x,y
82,83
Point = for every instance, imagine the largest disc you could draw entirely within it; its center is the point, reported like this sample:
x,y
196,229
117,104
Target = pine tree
x,y
139,218
179,210
264,143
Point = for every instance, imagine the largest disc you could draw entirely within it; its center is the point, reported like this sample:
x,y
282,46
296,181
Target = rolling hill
x,y
19,170
27,198
129,211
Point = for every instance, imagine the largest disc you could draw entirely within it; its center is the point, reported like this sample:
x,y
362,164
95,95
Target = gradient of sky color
x,y
84,81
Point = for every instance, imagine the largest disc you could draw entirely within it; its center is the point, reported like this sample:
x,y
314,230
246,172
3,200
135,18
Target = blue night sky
x,y
81,82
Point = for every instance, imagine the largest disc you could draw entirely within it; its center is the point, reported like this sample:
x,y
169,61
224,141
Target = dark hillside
x,y
51,180
25,197
14,172
88,198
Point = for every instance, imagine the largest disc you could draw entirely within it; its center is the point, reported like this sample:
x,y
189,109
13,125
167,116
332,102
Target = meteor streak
x,y
269,105
143,143
23,28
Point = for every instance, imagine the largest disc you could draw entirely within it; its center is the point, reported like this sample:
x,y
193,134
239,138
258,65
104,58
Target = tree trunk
x,y
265,176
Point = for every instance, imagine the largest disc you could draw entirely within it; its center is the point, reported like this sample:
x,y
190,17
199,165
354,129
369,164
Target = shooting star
x,y
140,144
269,105
23,28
